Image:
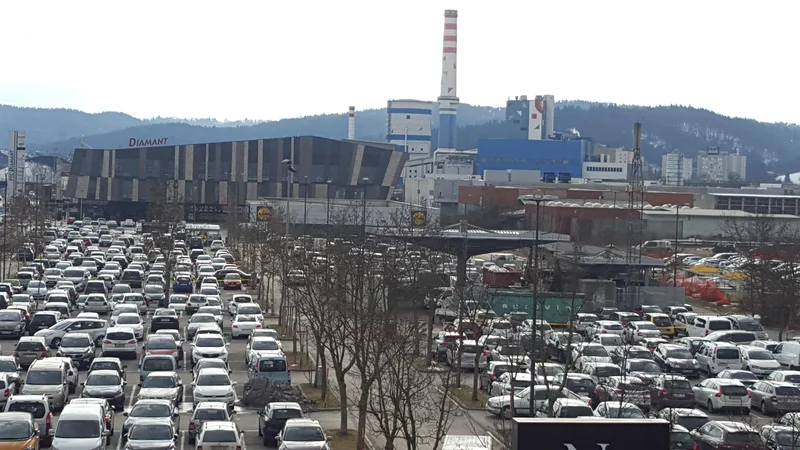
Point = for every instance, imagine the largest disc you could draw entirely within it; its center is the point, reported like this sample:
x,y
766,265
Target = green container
x,y
555,307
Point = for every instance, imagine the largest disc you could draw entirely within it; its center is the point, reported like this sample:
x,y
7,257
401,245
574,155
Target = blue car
x,y
182,284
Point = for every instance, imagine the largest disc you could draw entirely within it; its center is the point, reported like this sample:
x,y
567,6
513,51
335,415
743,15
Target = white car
x,y
216,245
509,381
261,344
251,309
178,302
237,300
209,346
162,385
122,308
214,384
606,327
758,360
97,303
221,435
719,393
215,311
590,352
119,340
267,332
638,331
133,322
242,326
87,315
137,299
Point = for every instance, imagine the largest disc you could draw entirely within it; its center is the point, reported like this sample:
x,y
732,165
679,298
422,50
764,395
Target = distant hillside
x,y
770,147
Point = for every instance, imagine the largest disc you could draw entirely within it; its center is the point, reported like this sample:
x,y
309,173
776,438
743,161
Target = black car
x,y
165,319
273,418
154,293
107,384
676,359
673,391
109,363
727,435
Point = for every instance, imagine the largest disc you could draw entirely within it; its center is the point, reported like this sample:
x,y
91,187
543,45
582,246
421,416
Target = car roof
x,y
223,425
78,334
32,339
672,347
125,329
726,381
108,358
153,401
210,405
731,426
29,398
572,402
162,373
656,314
213,371
16,416
104,372
683,412
779,383
90,410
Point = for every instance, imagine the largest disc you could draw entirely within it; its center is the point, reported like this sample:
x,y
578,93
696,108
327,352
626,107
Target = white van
x,y
81,426
714,357
788,354
701,326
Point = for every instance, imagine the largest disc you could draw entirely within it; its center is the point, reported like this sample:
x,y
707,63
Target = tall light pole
x,y
533,268
364,181
290,170
305,203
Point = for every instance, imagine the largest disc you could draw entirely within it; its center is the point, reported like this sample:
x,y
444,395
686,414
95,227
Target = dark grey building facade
x,y
230,173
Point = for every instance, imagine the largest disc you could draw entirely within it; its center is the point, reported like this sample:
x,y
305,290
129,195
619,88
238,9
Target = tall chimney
x,y
448,98
351,123
637,135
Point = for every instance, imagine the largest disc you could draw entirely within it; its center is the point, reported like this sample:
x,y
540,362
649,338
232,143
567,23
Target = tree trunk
x,y
415,318
342,403
362,417
429,339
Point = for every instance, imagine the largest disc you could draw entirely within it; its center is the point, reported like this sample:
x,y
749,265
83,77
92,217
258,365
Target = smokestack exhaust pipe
x,y
637,135
351,123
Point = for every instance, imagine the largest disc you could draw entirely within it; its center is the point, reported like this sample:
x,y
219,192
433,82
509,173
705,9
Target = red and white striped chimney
x,y
351,123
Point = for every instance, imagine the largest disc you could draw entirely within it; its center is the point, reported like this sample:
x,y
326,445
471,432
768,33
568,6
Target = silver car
x,y
150,409
214,384
97,303
198,321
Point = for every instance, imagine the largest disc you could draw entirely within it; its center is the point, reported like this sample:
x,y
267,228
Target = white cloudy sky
x,y
269,59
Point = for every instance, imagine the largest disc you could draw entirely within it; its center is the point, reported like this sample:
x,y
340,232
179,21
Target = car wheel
x,y
55,343
746,412
710,407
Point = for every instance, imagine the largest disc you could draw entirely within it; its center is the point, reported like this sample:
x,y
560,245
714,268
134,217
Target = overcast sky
x,y
271,60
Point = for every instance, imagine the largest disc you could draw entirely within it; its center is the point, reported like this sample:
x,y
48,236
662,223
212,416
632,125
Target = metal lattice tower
x,y
633,255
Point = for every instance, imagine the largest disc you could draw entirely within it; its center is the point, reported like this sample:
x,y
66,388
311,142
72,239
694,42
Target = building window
x,y
408,116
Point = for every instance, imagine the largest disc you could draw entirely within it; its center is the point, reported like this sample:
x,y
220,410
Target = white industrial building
x,y
439,191
604,171
662,223
676,169
409,127
443,162
536,118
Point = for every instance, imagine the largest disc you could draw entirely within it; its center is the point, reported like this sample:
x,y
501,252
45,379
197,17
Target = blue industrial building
x,y
547,156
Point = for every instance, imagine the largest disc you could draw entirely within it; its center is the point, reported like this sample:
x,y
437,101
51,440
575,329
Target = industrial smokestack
x,y
637,135
448,98
351,123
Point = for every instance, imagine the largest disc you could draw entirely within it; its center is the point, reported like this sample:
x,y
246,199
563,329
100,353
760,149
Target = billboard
x,y
589,434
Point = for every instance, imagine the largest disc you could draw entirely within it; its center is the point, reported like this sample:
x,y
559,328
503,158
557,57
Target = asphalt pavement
x,y
246,418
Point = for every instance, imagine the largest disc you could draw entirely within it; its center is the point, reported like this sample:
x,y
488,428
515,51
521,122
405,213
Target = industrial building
x,y
553,157
409,128
230,173
532,119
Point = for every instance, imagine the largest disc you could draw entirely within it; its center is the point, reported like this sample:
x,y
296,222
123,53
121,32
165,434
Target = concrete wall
x,y
379,213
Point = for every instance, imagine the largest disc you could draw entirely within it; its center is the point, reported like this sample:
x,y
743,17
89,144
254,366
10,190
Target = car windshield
x,y
647,326
219,436
691,422
511,350
644,366
15,430
52,272
760,355
157,365
237,299
549,370
165,312
145,410
265,345
166,343
210,414
607,371
248,309
581,385
679,353
575,411
677,384
213,380
102,380
303,434
791,391
662,321
158,382
9,316
215,310
203,319
728,353
105,365
37,409
743,375
197,299
209,341
151,432
787,439
129,320
635,386
624,413
151,289
750,325
77,429
8,366
178,299
743,437
76,341
595,350
611,339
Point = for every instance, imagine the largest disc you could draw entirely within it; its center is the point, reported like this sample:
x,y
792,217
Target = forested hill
x,y
665,128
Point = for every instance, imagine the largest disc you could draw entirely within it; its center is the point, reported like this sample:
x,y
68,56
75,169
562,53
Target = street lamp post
x,y
328,210
305,203
290,170
364,180
533,268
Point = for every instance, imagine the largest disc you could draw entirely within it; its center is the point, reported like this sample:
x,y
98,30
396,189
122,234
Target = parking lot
x,y
247,419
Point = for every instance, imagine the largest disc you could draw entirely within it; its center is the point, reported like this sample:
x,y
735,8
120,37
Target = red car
x,y
232,281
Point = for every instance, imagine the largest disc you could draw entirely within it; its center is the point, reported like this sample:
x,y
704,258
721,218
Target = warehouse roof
x,y
699,212
590,255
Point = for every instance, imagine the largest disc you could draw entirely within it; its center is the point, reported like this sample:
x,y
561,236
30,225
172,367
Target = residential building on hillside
x,y
719,166
675,169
